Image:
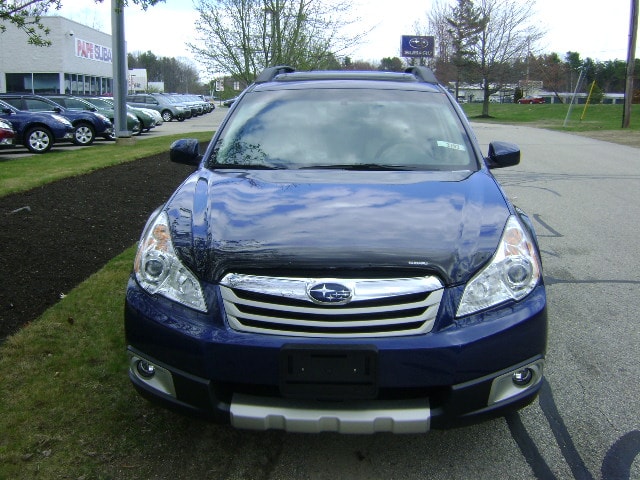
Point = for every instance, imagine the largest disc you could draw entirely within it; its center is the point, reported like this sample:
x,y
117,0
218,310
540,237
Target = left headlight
x,y
512,273
159,270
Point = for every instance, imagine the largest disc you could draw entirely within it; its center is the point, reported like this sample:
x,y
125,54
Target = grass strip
x,y
553,116
22,174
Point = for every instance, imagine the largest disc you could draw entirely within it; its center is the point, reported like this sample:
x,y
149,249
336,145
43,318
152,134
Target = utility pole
x,y
631,56
120,84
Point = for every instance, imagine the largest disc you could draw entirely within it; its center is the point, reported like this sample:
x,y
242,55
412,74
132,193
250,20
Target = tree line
x,y
488,43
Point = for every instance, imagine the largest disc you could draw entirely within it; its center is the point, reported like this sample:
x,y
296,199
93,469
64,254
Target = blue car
x,y
87,125
342,260
37,131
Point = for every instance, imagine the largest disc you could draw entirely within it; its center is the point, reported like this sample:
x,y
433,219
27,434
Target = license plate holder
x,y
344,372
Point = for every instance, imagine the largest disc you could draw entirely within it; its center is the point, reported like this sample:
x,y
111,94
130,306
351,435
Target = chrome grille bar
x,y
282,306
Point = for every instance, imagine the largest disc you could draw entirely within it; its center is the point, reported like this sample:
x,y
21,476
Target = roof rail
x,y
269,74
422,73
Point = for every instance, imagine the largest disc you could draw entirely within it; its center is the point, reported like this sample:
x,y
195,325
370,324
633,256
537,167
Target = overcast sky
x,y
600,31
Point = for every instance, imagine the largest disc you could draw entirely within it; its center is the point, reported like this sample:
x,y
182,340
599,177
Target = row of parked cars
x,y
37,122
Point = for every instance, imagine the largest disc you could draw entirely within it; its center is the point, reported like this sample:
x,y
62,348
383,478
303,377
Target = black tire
x,y
167,116
181,118
84,134
38,139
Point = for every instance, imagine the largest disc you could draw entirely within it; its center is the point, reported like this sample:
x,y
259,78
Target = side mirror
x,y
503,154
185,151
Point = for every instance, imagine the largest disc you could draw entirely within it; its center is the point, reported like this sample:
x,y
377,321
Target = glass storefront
x,y
32,82
78,84
43,83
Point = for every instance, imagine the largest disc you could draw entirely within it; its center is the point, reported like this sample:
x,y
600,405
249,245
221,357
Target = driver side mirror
x,y
185,151
503,154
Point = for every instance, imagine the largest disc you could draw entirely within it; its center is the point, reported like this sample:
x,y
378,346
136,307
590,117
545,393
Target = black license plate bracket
x,y
334,373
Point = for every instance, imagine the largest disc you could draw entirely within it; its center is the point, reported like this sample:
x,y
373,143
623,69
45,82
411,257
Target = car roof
x,y
413,78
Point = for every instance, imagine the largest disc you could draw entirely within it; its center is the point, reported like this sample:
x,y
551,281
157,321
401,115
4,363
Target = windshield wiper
x,y
359,166
243,166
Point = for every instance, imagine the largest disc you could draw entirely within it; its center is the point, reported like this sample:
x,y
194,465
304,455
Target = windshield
x,y
344,128
99,102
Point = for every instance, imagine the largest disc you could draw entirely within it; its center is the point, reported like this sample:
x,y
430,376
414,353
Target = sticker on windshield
x,y
452,146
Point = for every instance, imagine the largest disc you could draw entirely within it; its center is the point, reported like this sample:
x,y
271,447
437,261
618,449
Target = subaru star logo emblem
x,y
327,292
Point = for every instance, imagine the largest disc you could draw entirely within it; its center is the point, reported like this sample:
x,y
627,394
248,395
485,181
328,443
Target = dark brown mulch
x,y
54,237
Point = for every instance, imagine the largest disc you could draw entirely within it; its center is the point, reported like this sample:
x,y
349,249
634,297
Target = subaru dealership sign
x,y
417,46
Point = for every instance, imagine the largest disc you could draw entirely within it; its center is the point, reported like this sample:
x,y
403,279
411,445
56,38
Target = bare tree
x,y
242,37
508,36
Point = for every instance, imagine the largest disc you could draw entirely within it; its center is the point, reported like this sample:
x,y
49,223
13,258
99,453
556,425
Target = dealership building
x,y
79,60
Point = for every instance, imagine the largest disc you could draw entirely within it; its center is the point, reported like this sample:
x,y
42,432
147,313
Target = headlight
x,y
512,273
61,119
159,270
103,118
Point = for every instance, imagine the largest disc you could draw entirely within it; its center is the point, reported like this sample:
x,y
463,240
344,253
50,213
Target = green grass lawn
x,y
21,174
553,116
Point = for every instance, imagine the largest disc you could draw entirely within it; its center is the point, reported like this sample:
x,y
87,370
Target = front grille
x,y
377,308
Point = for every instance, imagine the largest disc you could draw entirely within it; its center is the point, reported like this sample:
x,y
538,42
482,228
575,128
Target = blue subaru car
x,y
37,131
87,125
342,259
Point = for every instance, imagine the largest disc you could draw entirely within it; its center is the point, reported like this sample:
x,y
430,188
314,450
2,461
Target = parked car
x,y
7,133
87,125
143,115
77,103
229,101
342,259
195,106
531,99
168,109
37,131
209,103
154,114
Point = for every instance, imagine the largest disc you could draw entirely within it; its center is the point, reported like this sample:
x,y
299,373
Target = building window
x,y
32,82
236,86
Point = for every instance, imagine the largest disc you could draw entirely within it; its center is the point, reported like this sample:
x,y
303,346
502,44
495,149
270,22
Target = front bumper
x,y
450,377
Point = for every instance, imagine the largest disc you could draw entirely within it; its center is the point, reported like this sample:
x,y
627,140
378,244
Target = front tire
x,y
38,140
167,116
84,134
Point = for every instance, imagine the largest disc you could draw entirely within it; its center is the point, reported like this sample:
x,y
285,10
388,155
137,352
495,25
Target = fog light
x,y
145,369
522,378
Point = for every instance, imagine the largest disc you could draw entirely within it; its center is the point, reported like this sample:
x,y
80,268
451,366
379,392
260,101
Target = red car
x,y
531,99
7,133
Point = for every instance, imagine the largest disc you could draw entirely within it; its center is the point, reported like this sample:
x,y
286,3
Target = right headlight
x,y
512,273
159,270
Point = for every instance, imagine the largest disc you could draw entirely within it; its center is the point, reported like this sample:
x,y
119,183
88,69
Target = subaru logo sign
x,y
327,292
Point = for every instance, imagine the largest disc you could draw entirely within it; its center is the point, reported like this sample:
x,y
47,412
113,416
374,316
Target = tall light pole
x,y
120,83
631,59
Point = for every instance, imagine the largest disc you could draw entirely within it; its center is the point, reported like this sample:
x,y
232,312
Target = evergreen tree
x,y
465,23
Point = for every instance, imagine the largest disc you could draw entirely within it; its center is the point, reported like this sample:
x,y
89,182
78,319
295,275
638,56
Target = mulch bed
x,y
54,237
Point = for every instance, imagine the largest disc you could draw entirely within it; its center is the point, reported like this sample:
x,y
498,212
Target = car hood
x,y
331,222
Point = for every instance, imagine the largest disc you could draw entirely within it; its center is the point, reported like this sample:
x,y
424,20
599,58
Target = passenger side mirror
x,y
185,151
503,154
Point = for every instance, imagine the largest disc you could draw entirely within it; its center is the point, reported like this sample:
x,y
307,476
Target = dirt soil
x,y
54,237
